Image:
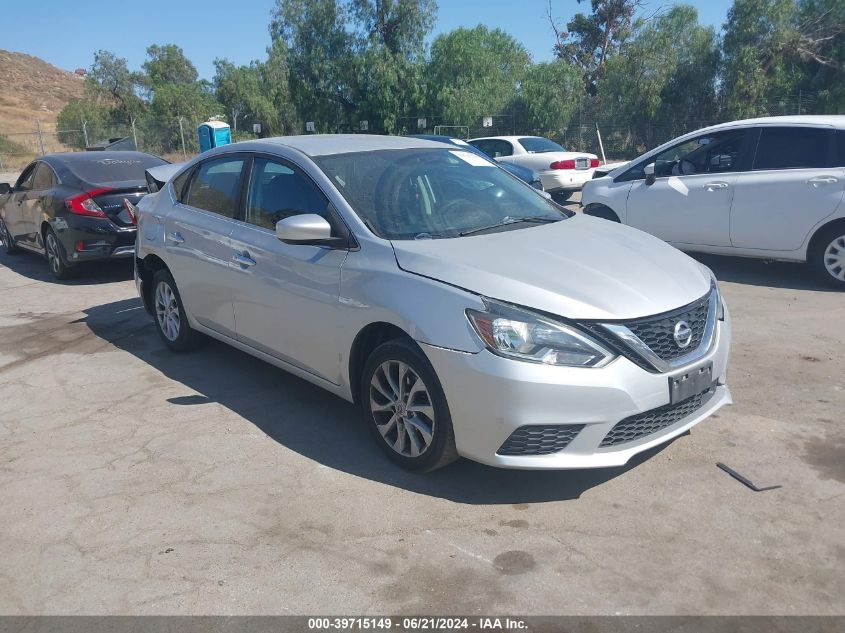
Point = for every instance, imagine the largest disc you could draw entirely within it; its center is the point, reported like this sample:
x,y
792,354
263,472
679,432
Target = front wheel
x,y
561,196
8,241
405,407
171,321
827,256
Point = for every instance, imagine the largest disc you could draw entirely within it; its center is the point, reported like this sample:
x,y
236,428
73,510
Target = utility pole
x,y
134,133
85,131
182,134
235,113
40,136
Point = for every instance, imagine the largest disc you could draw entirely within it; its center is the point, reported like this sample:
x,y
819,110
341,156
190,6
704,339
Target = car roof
x,y
833,120
503,138
329,144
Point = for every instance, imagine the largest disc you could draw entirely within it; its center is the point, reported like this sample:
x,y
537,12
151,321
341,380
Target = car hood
x,y
580,268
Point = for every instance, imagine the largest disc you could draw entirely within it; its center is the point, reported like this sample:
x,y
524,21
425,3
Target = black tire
x,y
183,338
561,196
827,256
8,241
440,450
54,253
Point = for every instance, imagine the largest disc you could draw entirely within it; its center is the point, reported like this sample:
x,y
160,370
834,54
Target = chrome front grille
x,y
643,424
651,342
659,333
540,440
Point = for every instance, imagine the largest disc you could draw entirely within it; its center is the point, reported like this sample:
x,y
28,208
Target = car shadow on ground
x,y
34,267
318,425
758,272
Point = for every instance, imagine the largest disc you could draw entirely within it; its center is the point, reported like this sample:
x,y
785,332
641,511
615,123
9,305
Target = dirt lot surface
x,y
135,480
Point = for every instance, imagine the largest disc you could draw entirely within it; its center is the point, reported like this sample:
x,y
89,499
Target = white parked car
x,y
561,172
769,188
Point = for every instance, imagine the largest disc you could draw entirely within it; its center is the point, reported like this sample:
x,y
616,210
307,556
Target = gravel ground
x,y
137,481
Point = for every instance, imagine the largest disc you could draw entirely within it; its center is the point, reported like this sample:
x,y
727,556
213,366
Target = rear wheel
x,y
406,408
827,256
561,196
8,241
171,321
55,256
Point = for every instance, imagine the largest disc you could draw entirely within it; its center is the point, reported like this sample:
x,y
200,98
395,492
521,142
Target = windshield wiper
x,y
508,221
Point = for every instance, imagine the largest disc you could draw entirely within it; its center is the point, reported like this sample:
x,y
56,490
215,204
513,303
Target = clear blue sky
x,y
69,31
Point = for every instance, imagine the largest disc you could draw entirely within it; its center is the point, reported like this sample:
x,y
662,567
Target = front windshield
x,y
539,145
434,193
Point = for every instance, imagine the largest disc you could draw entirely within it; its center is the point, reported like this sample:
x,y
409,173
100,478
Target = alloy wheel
x,y
53,254
167,311
402,408
834,258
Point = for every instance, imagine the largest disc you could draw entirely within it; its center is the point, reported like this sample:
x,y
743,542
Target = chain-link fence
x,y
622,137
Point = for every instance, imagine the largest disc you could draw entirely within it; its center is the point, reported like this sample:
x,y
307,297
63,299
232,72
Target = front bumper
x,y
490,397
565,179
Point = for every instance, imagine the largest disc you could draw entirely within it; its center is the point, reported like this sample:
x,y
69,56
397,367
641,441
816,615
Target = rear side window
x,y
216,185
792,148
43,178
90,168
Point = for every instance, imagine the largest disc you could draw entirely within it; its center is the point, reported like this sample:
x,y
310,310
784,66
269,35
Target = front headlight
x,y
516,333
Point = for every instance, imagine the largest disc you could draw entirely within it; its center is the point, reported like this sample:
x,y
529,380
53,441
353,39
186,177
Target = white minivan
x,y
769,188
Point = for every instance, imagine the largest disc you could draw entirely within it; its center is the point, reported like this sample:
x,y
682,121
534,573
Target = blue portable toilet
x,y
213,134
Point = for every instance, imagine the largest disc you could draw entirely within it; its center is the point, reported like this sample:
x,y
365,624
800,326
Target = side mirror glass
x,y
648,170
308,228
5,188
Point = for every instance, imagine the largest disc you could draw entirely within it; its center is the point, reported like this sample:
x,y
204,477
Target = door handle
x,y
176,238
243,259
713,186
822,180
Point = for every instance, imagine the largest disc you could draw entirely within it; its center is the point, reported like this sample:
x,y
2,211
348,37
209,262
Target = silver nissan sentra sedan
x,y
462,310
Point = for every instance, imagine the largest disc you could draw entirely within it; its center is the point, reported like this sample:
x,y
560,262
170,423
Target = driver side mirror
x,y
308,228
648,170
5,188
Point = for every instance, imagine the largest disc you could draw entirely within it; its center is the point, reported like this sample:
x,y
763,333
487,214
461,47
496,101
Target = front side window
x,y
709,154
434,193
539,145
792,148
25,181
278,191
216,186
484,146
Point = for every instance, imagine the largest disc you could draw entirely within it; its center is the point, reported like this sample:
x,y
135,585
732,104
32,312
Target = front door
x,y
286,299
198,241
17,206
796,181
690,200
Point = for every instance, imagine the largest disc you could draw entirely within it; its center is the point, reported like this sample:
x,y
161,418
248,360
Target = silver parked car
x,y
465,312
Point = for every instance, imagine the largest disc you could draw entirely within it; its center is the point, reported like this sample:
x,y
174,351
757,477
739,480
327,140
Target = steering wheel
x,y
470,212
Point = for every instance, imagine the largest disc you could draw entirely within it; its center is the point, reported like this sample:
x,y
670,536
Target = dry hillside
x,y
30,89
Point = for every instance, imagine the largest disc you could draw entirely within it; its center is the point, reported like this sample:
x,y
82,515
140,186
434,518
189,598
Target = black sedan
x,y
523,173
71,207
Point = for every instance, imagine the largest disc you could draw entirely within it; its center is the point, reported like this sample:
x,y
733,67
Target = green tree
x,y
167,65
589,40
473,73
79,117
549,94
111,83
321,59
243,94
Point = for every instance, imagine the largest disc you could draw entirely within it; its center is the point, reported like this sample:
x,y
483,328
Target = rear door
x,y
198,244
794,183
689,203
286,296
